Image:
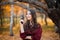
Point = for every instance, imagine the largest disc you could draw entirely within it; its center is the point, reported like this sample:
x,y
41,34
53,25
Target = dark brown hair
x,y
34,20
33,14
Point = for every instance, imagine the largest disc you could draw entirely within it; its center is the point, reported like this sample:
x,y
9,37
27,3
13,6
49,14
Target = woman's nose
x,y
28,16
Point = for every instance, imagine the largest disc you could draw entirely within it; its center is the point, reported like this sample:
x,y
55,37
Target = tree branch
x,y
38,9
37,3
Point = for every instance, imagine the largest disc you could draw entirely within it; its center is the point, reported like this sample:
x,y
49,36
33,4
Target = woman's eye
x,y
28,15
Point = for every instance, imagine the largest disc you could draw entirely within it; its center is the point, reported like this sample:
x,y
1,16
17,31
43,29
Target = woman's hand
x,y
28,37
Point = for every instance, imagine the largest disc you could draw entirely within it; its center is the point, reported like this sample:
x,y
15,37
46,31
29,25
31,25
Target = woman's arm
x,y
22,33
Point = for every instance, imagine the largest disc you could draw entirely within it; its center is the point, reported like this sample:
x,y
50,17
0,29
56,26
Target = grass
x,y
48,28
3,30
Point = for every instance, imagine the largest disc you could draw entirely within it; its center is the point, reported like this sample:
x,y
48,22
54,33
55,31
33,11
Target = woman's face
x,y
28,16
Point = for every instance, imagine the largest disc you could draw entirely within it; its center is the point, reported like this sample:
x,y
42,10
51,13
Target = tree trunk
x,y
11,20
1,11
55,18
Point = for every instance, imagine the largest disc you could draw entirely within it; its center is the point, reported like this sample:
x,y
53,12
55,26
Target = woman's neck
x,y
30,22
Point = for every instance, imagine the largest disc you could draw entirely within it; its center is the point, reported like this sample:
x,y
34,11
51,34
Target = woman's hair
x,y
34,20
33,14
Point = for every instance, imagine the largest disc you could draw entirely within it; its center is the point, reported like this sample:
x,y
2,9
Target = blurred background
x,y
5,23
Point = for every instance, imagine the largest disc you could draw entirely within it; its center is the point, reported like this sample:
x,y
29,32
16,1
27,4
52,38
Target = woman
x,y
31,27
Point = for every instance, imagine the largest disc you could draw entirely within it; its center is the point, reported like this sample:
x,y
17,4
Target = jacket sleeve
x,y
40,31
37,33
22,35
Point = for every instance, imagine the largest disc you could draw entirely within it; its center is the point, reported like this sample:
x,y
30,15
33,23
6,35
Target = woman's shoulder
x,y
39,25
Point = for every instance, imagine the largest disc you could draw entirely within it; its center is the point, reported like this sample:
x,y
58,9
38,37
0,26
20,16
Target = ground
x,y
46,35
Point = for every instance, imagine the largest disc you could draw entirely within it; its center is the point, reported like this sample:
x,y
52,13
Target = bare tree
x,y
11,20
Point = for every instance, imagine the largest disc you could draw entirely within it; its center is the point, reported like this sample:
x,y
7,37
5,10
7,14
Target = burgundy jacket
x,y
35,33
